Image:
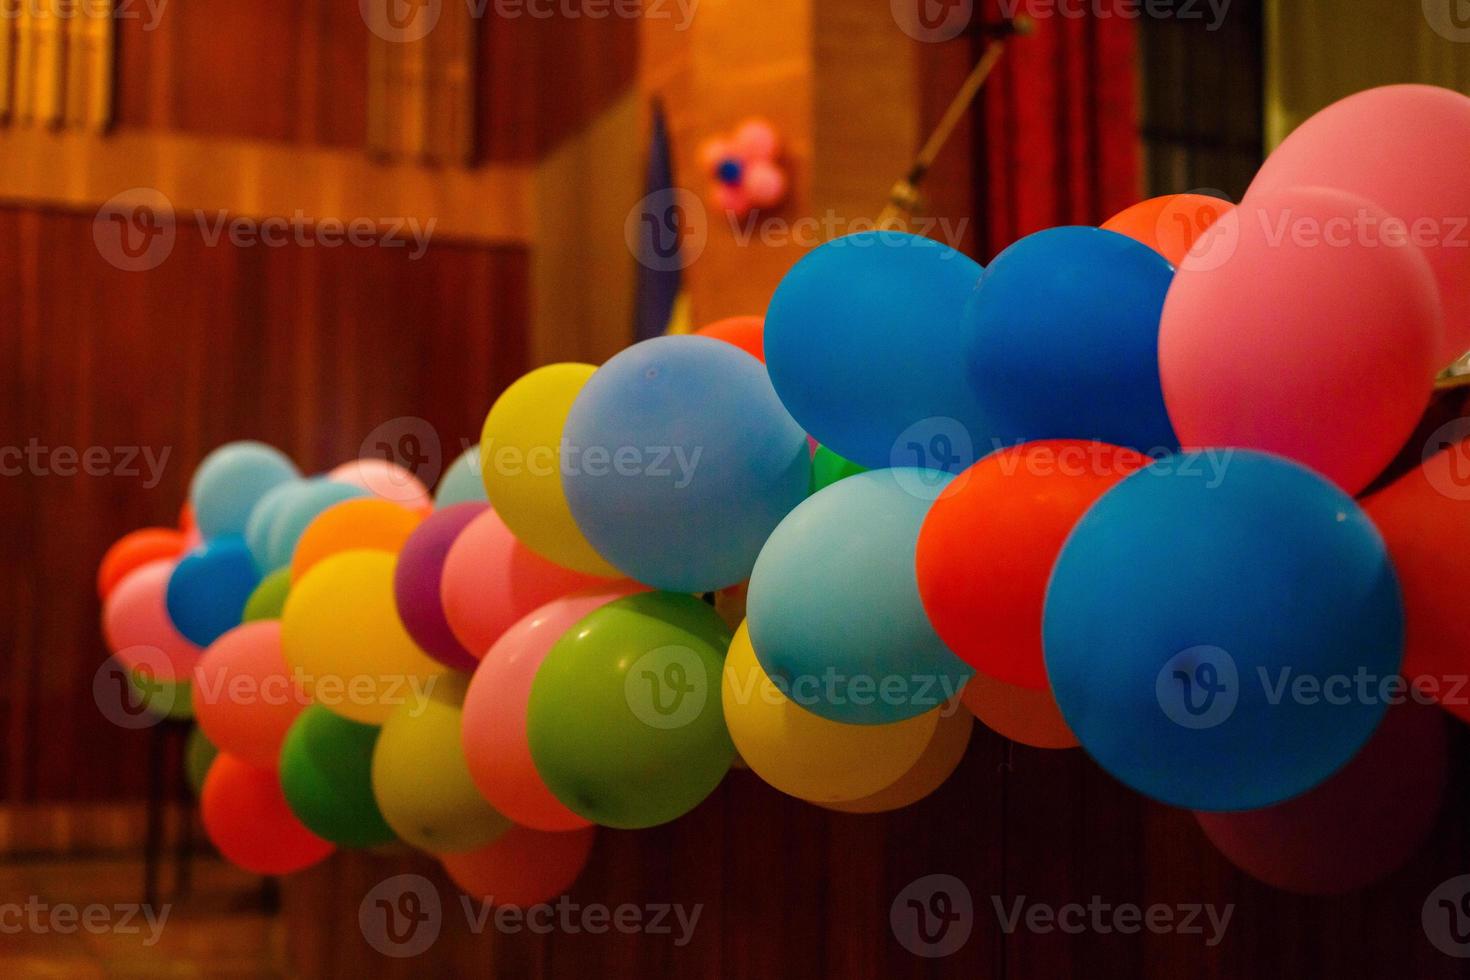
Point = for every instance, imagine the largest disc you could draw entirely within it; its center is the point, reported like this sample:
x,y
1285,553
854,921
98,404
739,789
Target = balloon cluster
x,y
1101,492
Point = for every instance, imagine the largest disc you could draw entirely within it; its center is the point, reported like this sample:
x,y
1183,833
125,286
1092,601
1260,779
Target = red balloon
x,y
246,817
987,546
245,695
1017,713
522,866
746,332
1170,225
133,551
1361,824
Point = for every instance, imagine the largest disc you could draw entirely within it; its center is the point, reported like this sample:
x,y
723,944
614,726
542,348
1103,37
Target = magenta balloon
x,y
1363,823
137,629
494,724
1404,148
417,577
1285,330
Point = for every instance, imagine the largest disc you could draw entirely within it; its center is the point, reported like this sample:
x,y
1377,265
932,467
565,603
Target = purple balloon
x,y
416,583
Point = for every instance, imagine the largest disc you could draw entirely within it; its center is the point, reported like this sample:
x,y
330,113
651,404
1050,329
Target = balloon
x,y
417,580
209,588
755,139
420,780
1018,713
245,695
230,480
268,601
987,547
865,347
1063,340
385,480
134,550
1420,139
1361,824
199,755
367,523
745,332
765,183
491,580
461,483
295,513
805,755
246,818
1278,341
941,757
1190,614
828,468
681,462
1170,225
834,606
522,867
151,694
623,721
521,462
137,627
263,517
326,774
494,730
341,629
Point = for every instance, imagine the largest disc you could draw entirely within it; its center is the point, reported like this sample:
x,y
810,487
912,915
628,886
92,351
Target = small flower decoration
x,y
744,169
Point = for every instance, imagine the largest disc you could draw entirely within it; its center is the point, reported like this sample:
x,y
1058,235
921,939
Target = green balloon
x,y
269,597
828,468
199,752
625,722
163,699
326,774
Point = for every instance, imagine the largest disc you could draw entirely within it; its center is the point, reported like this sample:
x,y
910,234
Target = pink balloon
x,y
386,480
732,199
755,139
1358,826
490,580
137,629
765,183
494,725
245,695
1285,330
1404,148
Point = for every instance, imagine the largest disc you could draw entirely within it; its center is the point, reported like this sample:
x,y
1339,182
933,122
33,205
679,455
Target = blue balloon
x,y
300,509
1207,624
866,345
209,587
263,516
230,481
834,610
678,461
461,483
1064,340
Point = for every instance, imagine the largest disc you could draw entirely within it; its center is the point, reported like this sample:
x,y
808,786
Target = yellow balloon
x,y
941,757
803,754
421,781
520,462
340,629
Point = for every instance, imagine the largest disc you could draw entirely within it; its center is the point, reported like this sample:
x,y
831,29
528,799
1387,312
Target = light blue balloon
x,y
834,609
299,510
209,587
263,516
679,460
866,344
230,480
1189,606
461,483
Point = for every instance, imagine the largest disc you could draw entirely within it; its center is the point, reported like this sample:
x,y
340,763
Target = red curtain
x,y
1059,130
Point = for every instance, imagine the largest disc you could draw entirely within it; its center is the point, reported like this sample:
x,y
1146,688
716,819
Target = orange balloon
x,y
363,523
941,757
246,818
988,544
745,332
1019,713
522,866
1170,225
133,551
